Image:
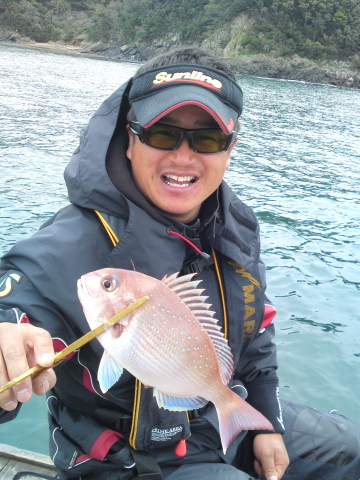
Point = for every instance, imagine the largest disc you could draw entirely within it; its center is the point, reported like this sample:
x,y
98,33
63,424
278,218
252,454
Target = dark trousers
x,y
321,446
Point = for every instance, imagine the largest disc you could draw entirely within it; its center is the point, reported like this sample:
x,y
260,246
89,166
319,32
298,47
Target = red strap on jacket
x,y
269,315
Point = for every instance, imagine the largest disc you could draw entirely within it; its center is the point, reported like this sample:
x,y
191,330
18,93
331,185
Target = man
x,y
147,191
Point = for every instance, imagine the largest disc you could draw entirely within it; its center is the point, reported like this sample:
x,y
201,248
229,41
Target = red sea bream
x,y
171,343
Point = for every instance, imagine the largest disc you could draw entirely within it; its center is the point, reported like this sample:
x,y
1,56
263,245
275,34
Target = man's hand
x,y
22,346
271,458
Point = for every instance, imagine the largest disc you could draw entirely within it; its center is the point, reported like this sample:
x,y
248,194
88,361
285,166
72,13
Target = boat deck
x,y
14,460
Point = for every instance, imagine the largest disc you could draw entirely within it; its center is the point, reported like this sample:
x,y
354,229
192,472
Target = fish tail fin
x,y
236,415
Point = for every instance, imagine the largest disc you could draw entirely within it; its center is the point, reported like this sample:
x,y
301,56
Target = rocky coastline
x,y
336,73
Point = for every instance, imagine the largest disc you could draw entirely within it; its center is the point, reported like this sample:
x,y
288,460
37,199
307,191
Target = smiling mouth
x,y
181,182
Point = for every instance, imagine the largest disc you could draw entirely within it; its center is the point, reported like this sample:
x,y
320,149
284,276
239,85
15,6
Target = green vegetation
x,y
317,29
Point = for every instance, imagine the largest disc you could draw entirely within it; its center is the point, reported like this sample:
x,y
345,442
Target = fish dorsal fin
x,y
186,289
178,404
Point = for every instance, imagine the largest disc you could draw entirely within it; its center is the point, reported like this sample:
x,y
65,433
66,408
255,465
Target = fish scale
x,y
172,343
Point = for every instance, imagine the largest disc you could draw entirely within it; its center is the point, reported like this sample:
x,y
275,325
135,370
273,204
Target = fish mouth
x,y
179,181
81,288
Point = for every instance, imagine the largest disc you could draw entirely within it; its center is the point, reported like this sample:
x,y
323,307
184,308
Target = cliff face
x,y
294,68
224,43
229,43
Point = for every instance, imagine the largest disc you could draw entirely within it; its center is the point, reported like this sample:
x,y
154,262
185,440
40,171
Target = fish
x,y
172,343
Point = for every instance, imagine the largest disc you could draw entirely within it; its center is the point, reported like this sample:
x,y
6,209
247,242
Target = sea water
x,y
297,163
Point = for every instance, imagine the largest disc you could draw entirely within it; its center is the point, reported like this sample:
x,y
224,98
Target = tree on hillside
x,y
80,4
314,28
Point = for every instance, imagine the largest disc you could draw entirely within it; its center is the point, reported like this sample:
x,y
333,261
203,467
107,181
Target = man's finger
x,y
43,349
7,399
22,346
44,382
267,470
14,364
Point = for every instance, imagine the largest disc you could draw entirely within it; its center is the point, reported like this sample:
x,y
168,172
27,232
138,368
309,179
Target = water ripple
x,y
296,163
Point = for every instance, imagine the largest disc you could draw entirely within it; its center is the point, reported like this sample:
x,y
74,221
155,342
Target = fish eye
x,y
109,282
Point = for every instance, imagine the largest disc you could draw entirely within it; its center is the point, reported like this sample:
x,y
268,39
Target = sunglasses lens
x,y
210,141
162,136
166,137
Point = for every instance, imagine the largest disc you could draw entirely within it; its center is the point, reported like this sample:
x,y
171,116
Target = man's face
x,y
178,181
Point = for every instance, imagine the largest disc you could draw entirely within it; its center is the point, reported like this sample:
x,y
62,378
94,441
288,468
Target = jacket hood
x,y
86,176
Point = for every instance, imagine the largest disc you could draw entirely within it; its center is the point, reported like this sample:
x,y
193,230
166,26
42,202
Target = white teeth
x,y
180,181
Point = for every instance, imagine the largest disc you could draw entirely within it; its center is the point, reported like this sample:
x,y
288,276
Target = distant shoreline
x,y
295,68
62,49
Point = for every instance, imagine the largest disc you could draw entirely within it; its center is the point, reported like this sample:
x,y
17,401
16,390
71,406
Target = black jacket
x,y
41,273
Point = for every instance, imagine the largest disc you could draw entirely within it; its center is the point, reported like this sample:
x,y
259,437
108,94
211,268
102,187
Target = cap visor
x,y
151,109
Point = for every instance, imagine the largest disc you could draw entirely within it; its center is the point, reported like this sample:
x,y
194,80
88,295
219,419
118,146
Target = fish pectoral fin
x,y
109,372
178,404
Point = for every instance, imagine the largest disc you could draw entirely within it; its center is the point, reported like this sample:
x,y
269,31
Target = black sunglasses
x,y
167,137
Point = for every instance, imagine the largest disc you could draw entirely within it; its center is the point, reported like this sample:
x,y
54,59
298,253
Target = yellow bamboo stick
x,y
59,357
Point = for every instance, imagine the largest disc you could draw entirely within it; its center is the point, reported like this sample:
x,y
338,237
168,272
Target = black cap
x,y
160,90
